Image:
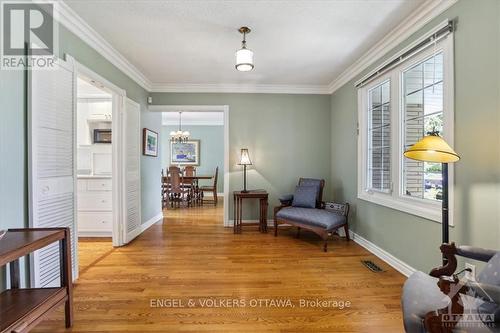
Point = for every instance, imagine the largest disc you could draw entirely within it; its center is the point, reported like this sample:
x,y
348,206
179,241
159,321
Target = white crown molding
x,y
242,88
74,23
411,24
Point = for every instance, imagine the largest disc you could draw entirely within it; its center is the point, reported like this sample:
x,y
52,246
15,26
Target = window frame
x,y
396,198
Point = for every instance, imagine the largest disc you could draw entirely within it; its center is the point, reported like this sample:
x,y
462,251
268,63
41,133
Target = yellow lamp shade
x,y
432,148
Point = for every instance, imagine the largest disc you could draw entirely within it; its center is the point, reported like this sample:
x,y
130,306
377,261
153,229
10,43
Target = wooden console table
x,y
238,203
22,309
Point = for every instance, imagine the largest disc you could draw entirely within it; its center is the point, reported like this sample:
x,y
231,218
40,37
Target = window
x,y
396,110
379,138
423,114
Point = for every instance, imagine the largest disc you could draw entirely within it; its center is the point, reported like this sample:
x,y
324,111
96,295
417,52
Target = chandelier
x,y
179,136
244,56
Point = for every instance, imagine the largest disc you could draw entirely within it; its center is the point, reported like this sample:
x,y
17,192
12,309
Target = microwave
x,y
102,136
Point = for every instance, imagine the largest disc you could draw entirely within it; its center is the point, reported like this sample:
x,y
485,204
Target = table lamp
x,y
245,160
432,148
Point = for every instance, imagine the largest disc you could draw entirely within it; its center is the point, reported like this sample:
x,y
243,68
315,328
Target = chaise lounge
x,y
305,209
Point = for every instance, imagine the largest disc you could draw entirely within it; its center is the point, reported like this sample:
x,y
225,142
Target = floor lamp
x,y
432,148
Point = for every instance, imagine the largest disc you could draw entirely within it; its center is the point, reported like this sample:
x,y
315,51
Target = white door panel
x,y
131,170
51,164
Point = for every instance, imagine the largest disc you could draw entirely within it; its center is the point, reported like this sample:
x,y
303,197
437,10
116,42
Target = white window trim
x,y
396,199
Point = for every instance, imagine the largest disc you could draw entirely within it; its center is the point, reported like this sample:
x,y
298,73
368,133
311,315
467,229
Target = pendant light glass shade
x,y
432,148
244,56
244,60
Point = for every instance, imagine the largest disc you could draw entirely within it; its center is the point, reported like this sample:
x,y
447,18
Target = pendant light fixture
x,y
244,56
179,136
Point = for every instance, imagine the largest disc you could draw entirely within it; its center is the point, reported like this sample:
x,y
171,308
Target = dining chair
x,y
210,188
164,189
191,184
176,192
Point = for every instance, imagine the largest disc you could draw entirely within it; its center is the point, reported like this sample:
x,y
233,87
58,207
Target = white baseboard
x,y
98,233
398,264
151,221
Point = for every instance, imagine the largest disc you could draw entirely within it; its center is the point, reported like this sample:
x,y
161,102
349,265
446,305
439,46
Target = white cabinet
x,y
95,207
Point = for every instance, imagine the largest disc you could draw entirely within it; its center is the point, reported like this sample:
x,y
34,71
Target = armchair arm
x,y
476,253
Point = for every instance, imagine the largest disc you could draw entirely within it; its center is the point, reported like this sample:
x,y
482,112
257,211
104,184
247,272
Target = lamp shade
x,y
244,60
432,148
245,157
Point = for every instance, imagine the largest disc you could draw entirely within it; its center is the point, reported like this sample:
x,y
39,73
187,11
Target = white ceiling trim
x,y
187,108
242,88
423,15
74,23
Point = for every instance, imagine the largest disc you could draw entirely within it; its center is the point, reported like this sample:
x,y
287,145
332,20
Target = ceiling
x,y
193,118
296,42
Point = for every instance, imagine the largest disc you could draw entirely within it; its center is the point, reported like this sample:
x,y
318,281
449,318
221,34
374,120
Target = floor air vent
x,y
372,266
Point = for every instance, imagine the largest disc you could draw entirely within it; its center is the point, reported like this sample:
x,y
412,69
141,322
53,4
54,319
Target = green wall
x,y
477,138
288,136
211,150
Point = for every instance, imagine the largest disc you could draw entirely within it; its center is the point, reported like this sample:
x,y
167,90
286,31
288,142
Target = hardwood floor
x,y
192,256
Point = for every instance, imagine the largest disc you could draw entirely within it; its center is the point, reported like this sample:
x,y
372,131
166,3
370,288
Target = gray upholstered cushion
x,y
312,216
305,196
476,253
491,273
311,182
420,296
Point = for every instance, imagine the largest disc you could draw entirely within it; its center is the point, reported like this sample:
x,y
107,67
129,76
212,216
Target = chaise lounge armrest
x,y
476,253
286,200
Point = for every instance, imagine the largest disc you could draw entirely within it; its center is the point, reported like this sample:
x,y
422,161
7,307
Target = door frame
x,y
119,97
208,108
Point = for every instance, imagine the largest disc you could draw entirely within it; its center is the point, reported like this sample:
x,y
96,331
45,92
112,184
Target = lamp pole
x,y
444,199
244,178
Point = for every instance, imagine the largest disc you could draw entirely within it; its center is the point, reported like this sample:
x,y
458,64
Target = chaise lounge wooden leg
x,y
275,227
298,232
325,245
346,230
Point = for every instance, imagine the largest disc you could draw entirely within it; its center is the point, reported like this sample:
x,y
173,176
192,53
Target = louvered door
x,y
51,164
131,170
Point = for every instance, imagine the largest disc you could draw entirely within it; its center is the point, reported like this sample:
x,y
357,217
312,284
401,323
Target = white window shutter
x,y
132,170
52,165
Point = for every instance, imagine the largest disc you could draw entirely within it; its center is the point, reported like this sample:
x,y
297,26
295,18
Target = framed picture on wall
x,y
150,142
185,153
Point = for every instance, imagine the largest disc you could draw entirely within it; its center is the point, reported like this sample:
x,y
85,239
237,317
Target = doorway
x,y
208,128
94,165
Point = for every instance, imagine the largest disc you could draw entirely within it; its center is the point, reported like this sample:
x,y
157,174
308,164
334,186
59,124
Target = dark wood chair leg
x,y
346,230
298,232
325,245
215,197
275,227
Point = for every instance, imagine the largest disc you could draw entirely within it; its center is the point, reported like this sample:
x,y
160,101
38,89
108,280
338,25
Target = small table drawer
x,y
99,184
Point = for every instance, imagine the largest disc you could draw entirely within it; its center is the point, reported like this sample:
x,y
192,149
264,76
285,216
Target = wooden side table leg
x,y
266,204
14,274
66,276
235,221
240,216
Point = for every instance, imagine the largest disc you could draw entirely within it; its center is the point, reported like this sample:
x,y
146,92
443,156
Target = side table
x,y
238,197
